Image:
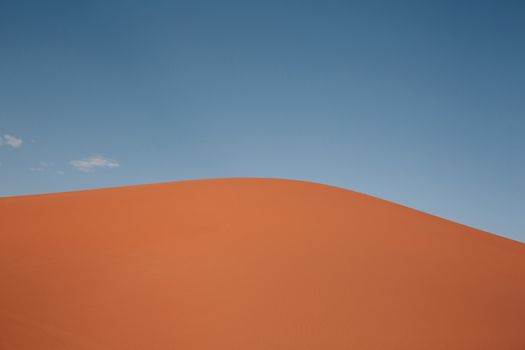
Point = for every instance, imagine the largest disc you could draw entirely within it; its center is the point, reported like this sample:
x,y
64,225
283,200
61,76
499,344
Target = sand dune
x,y
250,264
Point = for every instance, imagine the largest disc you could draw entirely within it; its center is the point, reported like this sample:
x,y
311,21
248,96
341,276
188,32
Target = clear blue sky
x,y
418,102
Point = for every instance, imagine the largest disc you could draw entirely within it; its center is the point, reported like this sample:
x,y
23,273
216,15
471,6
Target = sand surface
x,y
250,264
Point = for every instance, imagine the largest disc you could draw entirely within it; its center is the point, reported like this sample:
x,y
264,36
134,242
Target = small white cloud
x,y
91,163
10,140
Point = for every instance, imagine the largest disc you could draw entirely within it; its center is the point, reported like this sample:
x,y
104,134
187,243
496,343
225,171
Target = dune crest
x,y
250,264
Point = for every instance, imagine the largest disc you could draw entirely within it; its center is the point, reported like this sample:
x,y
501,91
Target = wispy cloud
x,y
91,163
10,140
42,166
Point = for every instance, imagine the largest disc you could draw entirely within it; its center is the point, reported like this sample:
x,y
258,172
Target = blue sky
x,y
418,102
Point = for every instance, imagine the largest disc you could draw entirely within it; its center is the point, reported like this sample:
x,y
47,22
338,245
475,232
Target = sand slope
x,y
250,264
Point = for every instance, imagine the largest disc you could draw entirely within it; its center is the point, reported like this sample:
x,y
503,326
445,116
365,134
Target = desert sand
x,y
250,264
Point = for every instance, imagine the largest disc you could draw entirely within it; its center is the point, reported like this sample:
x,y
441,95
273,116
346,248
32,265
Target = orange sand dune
x,y
249,264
